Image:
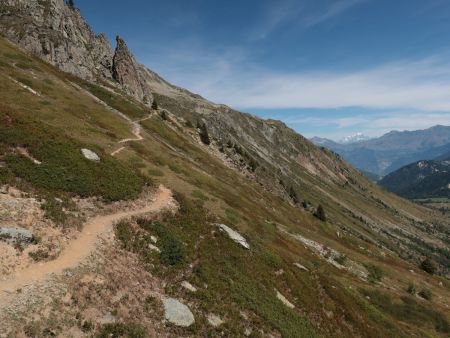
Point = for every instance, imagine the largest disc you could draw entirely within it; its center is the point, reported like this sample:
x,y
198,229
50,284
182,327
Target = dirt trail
x,y
136,130
82,246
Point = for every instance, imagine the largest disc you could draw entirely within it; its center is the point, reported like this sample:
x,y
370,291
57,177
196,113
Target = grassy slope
x,y
329,302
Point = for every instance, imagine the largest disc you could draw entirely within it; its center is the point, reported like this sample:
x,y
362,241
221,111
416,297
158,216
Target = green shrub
x,y
121,330
426,294
411,289
375,273
172,252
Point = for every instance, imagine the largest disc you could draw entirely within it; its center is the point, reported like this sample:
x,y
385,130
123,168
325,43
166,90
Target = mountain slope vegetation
x,y
346,276
423,179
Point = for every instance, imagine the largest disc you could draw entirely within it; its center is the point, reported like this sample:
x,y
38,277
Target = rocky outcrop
x,y
58,34
127,72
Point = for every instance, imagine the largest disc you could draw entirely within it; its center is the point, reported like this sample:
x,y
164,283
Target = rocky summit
x,y
149,211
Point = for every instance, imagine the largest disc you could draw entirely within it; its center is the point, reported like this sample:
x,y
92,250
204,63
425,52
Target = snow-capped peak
x,y
355,138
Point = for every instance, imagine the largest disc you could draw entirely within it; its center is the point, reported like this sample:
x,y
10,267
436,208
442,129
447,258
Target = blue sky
x,y
326,67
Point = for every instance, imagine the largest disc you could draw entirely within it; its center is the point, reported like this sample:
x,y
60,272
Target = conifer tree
x,y
204,136
320,213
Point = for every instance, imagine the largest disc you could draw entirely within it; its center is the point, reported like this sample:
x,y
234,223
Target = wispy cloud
x,y
303,14
334,9
422,85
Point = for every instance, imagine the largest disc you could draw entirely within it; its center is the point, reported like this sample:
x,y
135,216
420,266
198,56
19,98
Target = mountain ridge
x,y
394,149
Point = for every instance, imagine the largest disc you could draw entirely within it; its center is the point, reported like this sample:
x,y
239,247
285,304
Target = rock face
x,y
177,313
58,34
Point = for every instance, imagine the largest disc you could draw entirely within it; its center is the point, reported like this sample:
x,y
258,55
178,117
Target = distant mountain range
x,y
393,150
422,179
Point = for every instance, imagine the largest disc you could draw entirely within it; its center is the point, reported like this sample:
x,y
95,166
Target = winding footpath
x,y
80,248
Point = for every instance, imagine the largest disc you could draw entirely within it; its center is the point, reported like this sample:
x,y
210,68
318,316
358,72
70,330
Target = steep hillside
x,y
393,150
290,271
423,179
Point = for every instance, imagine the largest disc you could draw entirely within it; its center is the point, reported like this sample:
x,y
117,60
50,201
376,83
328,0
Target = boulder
x,y
90,155
16,236
177,313
188,286
284,300
234,235
301,267
214,320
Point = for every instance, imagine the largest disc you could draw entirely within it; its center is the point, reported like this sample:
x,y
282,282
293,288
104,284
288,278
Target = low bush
x,y
426,294
39,255
199,195
232,216
63,166
411,289
408,310
375,273
121,330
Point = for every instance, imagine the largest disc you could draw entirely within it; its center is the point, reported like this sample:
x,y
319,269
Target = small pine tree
x,y
411,289
164,115
70,3
204,136
154,105
428,266
320,213
293,195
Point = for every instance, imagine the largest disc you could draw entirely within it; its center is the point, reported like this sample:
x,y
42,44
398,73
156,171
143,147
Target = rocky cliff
x,y
58,34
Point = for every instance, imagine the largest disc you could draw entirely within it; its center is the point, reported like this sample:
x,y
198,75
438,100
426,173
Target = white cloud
x,y
421,85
